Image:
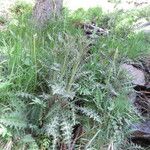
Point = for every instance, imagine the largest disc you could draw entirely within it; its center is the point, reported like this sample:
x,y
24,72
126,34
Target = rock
x,y
92,31
141,133
145,28
142,25
139,22
137,76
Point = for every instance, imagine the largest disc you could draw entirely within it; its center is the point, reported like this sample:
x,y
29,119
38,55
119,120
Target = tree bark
x,y
44,10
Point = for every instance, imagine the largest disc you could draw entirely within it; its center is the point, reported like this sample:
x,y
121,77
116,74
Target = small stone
x,y
143,128
137,76
142,25
141,133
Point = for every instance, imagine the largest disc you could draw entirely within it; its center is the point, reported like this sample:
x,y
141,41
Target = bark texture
x,y
44,10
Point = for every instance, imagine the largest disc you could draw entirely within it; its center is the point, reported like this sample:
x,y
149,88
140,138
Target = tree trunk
x,y
45,10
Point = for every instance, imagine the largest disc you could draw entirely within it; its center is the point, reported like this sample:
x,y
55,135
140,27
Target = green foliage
x,y
125,45
51,80
91,15
20,7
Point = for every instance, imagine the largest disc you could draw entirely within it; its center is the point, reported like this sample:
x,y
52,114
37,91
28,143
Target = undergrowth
x,y
57,92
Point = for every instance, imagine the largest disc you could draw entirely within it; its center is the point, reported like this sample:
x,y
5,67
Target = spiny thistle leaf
x,y
67,128
14,120
90,113
52,129
37,101
25,95
60,90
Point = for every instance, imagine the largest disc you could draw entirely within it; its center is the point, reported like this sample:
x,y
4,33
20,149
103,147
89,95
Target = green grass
x,y
51,81
125,45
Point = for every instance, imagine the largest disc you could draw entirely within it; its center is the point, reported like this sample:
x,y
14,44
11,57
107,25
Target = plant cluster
x,y
58,92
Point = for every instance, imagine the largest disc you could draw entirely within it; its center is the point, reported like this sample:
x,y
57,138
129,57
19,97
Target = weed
x,y
50,85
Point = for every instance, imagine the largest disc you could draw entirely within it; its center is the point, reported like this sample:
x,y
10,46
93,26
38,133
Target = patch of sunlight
x,y
86,4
